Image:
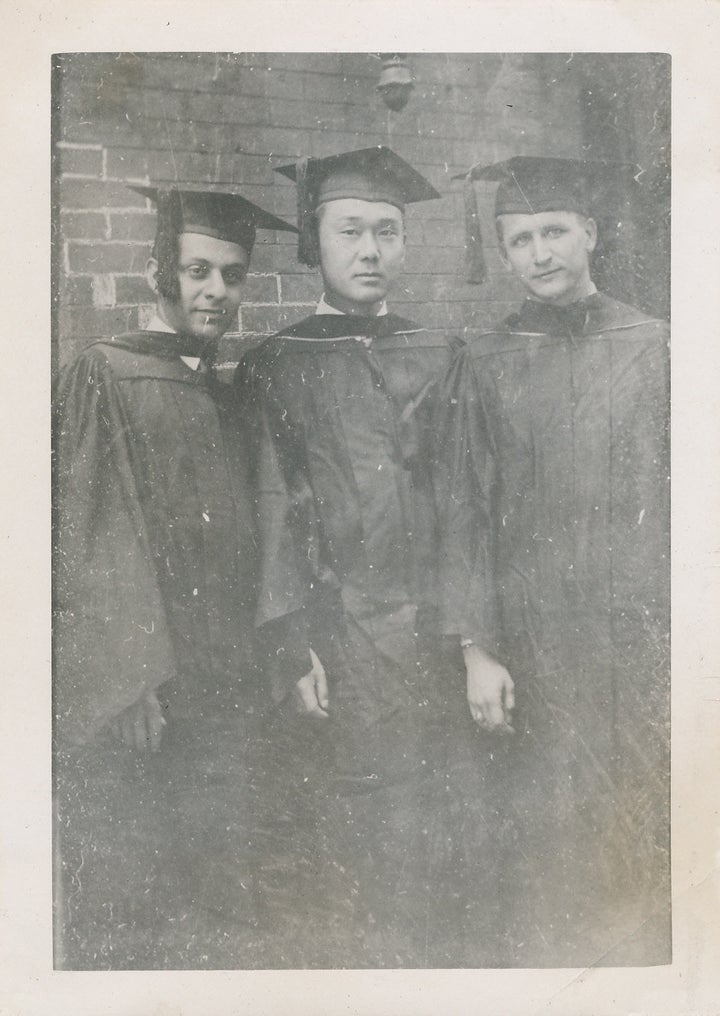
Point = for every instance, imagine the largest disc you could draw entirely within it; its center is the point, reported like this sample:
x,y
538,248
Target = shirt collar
x,y
156,324
324,307
591,292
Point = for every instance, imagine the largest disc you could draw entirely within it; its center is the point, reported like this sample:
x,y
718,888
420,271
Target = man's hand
x,y
310,694
141,725
490,691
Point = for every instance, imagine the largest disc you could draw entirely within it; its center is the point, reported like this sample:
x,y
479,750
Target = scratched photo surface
x,y
311,492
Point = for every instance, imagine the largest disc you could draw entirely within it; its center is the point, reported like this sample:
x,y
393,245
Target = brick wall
x,y
233,117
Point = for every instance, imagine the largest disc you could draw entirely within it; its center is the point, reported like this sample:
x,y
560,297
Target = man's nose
x,y
368,247
541,250
215,285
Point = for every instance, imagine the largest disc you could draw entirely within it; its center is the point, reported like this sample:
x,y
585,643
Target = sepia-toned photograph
x,y
361,510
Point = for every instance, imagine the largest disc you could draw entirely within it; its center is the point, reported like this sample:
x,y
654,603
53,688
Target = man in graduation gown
x,y
342,401
155,660
555,529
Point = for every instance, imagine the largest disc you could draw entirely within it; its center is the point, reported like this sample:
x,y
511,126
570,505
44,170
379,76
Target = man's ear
x,y
503,256
151,274
592,234
501,246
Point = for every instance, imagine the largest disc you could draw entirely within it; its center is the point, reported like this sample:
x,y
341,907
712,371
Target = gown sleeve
x,y
111,638
283,589
464,484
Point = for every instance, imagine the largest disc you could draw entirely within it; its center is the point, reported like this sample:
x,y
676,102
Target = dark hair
x,y
166,249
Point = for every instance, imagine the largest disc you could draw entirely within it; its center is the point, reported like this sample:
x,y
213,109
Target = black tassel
x,y
474,254
307,240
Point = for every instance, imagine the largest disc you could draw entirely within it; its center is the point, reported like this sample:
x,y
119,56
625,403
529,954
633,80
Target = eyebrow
x,y
553,224
362,218
186,262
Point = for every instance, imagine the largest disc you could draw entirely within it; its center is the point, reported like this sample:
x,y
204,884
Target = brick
x,y
76,290
83,225
443,234
233,75
159,105
430,149
268,320
94,194
161,134
244,168
305,288
127,163
97,258
325,63
432,315
328,142
448,207
130,225
185,73
336,116
457,68
83,127
331,88
131,289
424,288
103,290
282,84
166,164
96,322
260,289
267,257
282,143
449,260
83,161
360,65
438,123
284,201
466,153
226,107
413,228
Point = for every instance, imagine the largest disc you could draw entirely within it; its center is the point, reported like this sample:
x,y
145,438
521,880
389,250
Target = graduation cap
x,y
217,210
527,185
369,174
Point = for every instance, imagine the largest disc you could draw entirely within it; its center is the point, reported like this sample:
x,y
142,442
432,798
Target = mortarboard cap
x,y
369,174
528,185
217,210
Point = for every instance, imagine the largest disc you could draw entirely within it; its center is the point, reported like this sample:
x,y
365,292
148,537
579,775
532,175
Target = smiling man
x,y
154,597
555,520
348,547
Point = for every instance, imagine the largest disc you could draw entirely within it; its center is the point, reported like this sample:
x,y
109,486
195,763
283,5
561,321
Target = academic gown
x,y
555,559
343,409
154,591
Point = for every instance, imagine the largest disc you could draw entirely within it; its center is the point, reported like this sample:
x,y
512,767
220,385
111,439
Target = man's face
x,y
550,254
211,274
362,249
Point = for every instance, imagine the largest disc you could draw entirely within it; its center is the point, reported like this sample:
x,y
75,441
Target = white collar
x,y
324,307
591,291
156,324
